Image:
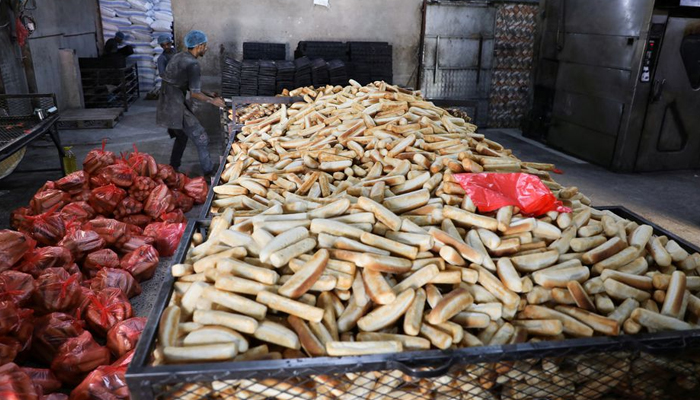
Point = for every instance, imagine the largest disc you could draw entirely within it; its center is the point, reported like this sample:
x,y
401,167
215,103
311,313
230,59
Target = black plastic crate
x,y
663,365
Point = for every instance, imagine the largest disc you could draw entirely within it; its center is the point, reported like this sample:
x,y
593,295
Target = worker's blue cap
x,y
120,35
195,38
165,38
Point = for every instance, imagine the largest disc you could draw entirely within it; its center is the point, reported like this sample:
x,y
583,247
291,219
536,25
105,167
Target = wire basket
x,y
664,365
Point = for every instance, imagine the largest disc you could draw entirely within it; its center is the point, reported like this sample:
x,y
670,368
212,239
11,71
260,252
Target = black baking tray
x,y
665,355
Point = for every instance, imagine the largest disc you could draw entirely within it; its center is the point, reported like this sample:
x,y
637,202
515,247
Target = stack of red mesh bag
x,y
66,275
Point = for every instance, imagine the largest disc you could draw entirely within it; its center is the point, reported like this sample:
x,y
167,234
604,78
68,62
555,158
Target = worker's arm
x,y
195,81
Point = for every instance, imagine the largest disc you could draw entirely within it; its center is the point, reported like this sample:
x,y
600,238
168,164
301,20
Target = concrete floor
x,y
665,198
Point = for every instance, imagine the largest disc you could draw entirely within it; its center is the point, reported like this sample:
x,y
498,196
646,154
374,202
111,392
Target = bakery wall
x,y
229,23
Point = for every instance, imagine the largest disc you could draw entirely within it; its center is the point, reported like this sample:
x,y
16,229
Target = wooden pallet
x,y
90,118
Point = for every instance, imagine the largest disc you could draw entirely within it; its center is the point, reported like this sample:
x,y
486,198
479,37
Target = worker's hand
x,y
218,102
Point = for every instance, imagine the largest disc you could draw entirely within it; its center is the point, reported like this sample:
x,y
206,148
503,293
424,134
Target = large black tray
x,y
654,366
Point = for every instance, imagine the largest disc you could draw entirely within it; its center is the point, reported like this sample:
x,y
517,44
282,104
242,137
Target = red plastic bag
x,y
51,331
18,217
165,172
79,210
97,159
142,187
105,199
176,181
106,309
74,183
144,164
13,246
182,201
105,383
9,317
15,384
159,202
44,378
110,230
83,195
128,206
117,279
9,348
173,217
120,174
25,328
101,178
57,291
77,357
139,220
41,258
81,243
166,235
491,191
55,396
47,228
123,336
17,287
136,241
132,229
197,189
98,260
45,200
141,263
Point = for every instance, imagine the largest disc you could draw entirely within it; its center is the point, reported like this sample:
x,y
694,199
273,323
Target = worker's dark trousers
x,y
201,140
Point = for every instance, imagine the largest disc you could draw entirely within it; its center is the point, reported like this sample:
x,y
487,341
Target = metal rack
x,y
653,366
19,126
110,87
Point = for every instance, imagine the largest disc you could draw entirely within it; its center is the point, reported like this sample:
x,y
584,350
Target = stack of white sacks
x,y
143,21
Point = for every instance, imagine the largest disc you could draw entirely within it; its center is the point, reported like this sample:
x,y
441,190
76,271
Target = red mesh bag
x,y
160,201
57,291
142,187
98,159
9,317
17,287
45,200
105,383
47,228
115,278
74,183
173,217
110,230
120,174
41,258
107,308
51,331
77,357
79,210
139,220
98,260
123,336
9,348
44,378
197,189
13,246
18,217
55,396
102,178
136,241
177,181
128,206
15,384
166,235
82,242
182,201
132,229
141,263
25,328
142,163
105,199
83,195
165,172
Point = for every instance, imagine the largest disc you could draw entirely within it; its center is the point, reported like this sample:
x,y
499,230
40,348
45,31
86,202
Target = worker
x,y
166,43
175,110
113,46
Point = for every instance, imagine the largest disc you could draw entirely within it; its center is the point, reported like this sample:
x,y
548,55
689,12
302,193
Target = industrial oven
x,y
617,82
